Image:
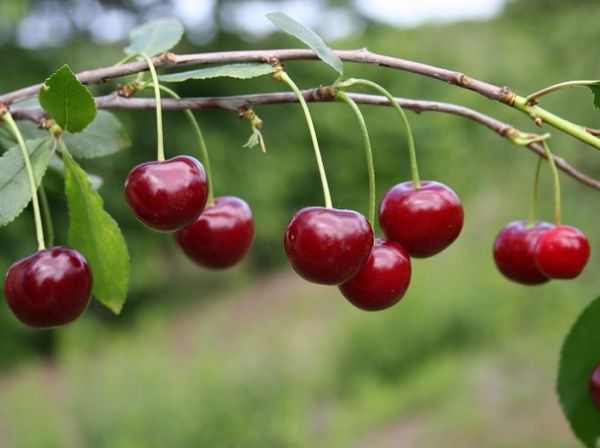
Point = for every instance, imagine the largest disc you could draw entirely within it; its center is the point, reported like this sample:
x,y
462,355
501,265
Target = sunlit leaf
x,y
239,71
155,37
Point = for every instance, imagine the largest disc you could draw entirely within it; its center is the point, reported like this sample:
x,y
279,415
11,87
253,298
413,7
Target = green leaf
x,y
104,136
579,356
595,88
97,236
68,101
309,38
239,71
15,192
29,131
155,37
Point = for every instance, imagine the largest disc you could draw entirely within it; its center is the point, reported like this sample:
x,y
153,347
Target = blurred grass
x,y
250,359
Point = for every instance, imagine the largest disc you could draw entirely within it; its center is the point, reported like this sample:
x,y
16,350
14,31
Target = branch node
x,y
170,58
538,122
3,109
507,96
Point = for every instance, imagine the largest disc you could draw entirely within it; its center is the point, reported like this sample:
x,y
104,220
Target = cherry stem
x,y
200,140
368,151
39,229
555,182
414,170
283,76
47,216
561,85
159,125
534,197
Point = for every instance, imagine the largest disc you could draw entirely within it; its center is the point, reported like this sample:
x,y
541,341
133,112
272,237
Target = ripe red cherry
x,y
169,195
383,279
327,245
221,236
514,251
424,220
595,386
48,288
562,252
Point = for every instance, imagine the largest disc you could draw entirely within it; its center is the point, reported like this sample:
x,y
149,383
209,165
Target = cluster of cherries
x,y
534,253
52,287
336,247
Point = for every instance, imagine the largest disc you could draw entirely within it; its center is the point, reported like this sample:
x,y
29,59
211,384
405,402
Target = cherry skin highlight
x,y
167,196
48,288
221,236
514,251
595,386
327,245
383,279
562,252
423,220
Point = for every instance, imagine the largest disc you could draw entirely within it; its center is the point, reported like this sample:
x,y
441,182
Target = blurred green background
x,y
256,357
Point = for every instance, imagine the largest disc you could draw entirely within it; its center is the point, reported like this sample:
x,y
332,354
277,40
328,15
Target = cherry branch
x,y
240,102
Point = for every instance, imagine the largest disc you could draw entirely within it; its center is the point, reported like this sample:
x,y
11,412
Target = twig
x,y
235,103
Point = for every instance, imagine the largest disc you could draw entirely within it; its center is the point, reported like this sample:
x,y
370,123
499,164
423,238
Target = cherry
x,y
221,236
327,245
48,288
562,252
169,195
383,279
514,251
595,386
423,220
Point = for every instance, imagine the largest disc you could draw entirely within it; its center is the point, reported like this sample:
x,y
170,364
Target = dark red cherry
x,y
48,288
595,386
169,195
328,245
383,279
562,252
514,251
423,220
221,236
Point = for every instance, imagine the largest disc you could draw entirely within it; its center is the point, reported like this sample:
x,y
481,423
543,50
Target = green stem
x,y
536,112
32,184
47,216
555,182
159,125
126,59
368,151
414,170
283,76
534,198
561,85
200,140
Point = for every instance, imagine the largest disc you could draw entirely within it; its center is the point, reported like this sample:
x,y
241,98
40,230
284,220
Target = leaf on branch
x,y
97,235
579,356
309,38
15,192
156,37
239,71
104,136
595,88
68,101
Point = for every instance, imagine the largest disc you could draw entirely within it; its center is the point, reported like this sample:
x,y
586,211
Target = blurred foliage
x,y
322,374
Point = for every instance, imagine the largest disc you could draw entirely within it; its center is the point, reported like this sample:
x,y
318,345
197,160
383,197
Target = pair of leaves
x,y
579,357
253,70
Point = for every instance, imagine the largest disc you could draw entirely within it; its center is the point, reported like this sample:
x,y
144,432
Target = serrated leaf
x,y
579,356
104,136
97,236
595,88
239,71
68,101
309,38
15,192
155,37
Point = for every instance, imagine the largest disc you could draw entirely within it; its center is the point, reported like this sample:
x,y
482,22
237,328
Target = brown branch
x,y
235,103
362,56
